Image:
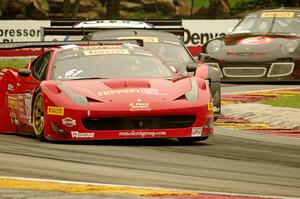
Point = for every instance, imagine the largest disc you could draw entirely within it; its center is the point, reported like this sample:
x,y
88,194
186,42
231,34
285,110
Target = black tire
x,y
191,140
217,100
38,117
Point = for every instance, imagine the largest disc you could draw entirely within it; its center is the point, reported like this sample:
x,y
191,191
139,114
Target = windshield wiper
x,y
272,24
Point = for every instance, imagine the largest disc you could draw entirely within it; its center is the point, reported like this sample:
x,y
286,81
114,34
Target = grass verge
x,y
15,63
285,101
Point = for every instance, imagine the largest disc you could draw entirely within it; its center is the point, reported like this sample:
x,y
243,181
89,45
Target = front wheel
x,y
38,117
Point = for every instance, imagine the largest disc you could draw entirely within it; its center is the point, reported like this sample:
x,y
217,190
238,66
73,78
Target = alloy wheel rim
x,y
38,115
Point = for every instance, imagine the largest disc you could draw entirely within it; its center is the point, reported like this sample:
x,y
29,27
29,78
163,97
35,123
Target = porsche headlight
x,y
289,46
79,99
214,46
192,95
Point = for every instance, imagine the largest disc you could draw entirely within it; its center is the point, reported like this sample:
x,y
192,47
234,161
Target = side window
x,y
39,69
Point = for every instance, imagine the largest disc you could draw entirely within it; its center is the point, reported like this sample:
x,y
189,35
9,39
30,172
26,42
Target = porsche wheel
x,y
191,140
38,117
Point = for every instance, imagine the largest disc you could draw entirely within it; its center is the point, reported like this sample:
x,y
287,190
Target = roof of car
x,y
133,32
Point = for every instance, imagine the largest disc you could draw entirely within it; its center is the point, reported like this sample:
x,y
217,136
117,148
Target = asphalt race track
x,y
230,161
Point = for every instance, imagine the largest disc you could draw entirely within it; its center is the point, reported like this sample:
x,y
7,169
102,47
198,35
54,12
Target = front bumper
x,y
258,71
99,123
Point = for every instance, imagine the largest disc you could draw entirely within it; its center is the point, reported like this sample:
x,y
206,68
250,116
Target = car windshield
x,y
281,23
169,51
108,63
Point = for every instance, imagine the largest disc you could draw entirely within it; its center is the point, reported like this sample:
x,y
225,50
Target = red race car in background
x,y
104,91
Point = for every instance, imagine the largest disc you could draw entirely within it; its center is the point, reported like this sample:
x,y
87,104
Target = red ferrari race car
x,y
164,39
263,47
105,91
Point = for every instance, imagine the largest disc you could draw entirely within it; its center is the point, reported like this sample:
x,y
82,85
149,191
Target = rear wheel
x,y
38,117
191,140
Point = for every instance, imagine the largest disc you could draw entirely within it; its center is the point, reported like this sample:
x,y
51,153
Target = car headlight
x,y
289,46
79,99
192,95
214,46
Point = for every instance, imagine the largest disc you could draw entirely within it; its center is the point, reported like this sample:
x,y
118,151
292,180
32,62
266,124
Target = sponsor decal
x,y
196,131
210,106
12,114
10,87
142,134
140,106
20,97
100,47
77,134
145,91
106,52
277,14
28,105
54,110
145,39
12,102
68,122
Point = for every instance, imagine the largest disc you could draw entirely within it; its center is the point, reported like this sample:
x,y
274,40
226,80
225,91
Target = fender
x,y
6,125
213,75
202,71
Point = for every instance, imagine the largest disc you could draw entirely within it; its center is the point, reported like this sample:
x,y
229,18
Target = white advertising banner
x,y
197,32
21,30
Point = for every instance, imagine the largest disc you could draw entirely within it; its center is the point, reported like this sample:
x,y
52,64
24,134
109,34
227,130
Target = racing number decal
x,y
71,74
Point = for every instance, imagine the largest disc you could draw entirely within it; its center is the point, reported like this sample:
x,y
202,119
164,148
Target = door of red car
x,y
20,98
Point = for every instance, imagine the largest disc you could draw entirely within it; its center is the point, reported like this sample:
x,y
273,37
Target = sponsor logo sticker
x,y
77,134
142,133
210,106
10,87
68,122
106,52
196,131
54,110
140,106
12,102
145,91
277,14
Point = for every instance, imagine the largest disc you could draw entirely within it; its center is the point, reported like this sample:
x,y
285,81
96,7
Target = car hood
x,y
254,43
124,90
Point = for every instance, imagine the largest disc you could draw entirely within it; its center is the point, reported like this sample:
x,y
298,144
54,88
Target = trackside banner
x,y
21,30
197,32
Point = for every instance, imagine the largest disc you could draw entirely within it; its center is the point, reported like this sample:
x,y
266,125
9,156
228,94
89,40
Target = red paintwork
x,y
110,103
21,52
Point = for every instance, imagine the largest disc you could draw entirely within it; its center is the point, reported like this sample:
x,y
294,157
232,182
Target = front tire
x,y
38,117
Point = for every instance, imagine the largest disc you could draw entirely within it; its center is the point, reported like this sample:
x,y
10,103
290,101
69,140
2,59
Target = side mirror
x,y
24,72
191,67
